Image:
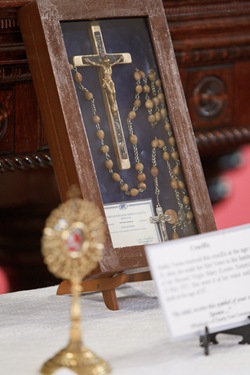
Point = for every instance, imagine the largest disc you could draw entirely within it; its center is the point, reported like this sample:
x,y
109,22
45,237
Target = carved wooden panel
x,y
209,94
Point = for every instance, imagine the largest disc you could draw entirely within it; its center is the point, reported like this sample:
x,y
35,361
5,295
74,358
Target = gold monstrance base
x,y
72,244
77,358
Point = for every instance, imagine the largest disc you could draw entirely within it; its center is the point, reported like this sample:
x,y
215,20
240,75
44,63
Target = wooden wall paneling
x,y
241,99
27,119
7,120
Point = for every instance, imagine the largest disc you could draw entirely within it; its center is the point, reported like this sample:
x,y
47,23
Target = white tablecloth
x,y
134,340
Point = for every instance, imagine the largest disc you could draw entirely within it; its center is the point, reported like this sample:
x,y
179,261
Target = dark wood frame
x,y
40,26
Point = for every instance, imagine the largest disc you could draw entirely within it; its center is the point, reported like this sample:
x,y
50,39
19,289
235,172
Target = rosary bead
x,y
100,134
116,177
167,126
124,187
175,155
190,215
176,170
161,143
142,186
138,89
158,82
133,139
78,77
157,116
165,156
109,164
137,75
186,200
137,103
151,118
146,89
154,171
139,166
151,75
141,177
161,97
163,112
96,119
154,143
149,104
104,149
181,184
174,183
171,141
88,95
132,115
156,100
143,75
172,216
134,192
175,236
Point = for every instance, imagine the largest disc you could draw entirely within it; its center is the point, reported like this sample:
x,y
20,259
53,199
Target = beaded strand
x,y
185,215
141,177
155,105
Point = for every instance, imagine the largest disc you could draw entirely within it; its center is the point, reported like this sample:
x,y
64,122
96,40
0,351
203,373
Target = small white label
x,y
129,223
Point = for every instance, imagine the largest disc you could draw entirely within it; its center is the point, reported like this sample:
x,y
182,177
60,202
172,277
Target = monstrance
x,y
72,245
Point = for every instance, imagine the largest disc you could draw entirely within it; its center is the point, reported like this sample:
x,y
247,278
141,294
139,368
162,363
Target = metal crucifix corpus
x,y
105,61
161,219
170,217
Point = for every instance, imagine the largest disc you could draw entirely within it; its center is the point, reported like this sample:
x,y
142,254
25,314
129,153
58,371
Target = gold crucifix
x,y
105,61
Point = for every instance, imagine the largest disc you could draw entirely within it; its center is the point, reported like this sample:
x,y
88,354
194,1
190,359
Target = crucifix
x,y
105,61
161,218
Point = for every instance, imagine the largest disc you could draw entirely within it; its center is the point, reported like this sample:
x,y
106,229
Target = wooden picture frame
x,y
123,32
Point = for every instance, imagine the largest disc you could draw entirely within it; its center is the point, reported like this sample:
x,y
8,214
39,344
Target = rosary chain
x,y
155,104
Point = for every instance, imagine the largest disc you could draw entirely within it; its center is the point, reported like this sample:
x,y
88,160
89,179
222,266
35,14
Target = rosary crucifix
x,y
161,219
105,61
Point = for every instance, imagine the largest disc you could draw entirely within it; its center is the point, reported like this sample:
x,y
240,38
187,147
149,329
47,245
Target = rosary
x,y
148,87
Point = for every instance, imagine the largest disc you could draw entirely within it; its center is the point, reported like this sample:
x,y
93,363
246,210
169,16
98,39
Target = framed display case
x,y
117,123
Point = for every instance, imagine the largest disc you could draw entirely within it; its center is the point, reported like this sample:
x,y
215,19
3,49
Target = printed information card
x,y
129,223
203,280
